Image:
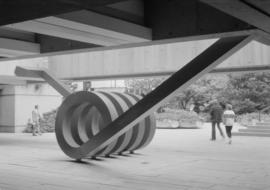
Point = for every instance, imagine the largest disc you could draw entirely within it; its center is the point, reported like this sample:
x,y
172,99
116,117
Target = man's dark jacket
x,y
216,113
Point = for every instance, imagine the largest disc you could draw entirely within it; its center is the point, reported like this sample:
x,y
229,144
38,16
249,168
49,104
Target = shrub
x,y
183,117
47,124
246,119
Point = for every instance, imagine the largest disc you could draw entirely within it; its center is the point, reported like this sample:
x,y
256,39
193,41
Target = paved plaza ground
x,y
182,159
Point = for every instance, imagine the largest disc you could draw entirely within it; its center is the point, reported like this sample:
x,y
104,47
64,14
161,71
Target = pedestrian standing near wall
x,y
228,120
216,113
36,121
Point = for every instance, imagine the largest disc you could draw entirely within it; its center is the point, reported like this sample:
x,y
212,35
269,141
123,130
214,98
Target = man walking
x,y
36,121
216,118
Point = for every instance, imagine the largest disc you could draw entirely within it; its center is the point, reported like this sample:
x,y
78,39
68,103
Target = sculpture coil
x,y
84,114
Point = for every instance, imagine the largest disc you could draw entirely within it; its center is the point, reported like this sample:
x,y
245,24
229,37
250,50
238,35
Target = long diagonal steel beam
x,y
46,75
192,71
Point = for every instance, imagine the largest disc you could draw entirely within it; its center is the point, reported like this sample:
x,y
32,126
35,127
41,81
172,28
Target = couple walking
x,y
217,116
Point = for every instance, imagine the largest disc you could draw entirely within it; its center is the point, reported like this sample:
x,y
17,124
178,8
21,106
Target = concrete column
x,y
17,103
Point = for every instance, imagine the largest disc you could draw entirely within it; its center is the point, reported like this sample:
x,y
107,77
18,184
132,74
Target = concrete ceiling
x,y
256,13
35,26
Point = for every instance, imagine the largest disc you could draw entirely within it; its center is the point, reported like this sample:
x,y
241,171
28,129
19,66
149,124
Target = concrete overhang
x,y
16,48
124,24
89,27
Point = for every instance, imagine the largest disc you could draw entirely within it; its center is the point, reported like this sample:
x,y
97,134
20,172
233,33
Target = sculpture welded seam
x,y
83,114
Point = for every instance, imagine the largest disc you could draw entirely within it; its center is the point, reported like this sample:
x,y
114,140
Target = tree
x,y
198,94
201,92
72,86
248,92
146,85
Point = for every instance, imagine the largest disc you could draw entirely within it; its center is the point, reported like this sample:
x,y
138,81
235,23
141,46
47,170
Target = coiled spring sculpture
x,y
83,114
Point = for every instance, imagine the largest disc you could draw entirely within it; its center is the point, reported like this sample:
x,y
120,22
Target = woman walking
x,y
228,120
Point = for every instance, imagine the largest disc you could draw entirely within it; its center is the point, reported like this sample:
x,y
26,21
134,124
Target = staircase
x,y
260,129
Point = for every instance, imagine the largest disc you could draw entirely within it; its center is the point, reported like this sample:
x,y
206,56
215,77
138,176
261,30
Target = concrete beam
x,y
13,80
263,6
55,44
244,11
246,69
46,75
17,11
152,61
263,37
17,34
87,27
141,44
15,48
103,25
172,19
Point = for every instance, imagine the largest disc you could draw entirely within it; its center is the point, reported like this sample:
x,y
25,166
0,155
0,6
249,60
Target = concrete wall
x,y
8,67
149,60
17,103
7,109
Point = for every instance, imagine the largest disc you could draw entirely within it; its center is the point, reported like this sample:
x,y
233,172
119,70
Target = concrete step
x,y
251,134
263,124
257,127
255,130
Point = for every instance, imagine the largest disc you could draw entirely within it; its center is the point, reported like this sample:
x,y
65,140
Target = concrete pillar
x,y
17,103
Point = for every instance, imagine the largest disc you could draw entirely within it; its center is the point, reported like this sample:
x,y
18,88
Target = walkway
x,y
177,159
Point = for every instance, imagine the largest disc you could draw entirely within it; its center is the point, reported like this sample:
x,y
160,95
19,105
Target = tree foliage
x,y
203,91
146,85
246,92
197,94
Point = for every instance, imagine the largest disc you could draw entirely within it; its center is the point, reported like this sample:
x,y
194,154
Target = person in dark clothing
x,y
216,113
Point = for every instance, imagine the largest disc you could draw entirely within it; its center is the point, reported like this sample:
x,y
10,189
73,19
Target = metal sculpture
x,y
84,114
98,124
